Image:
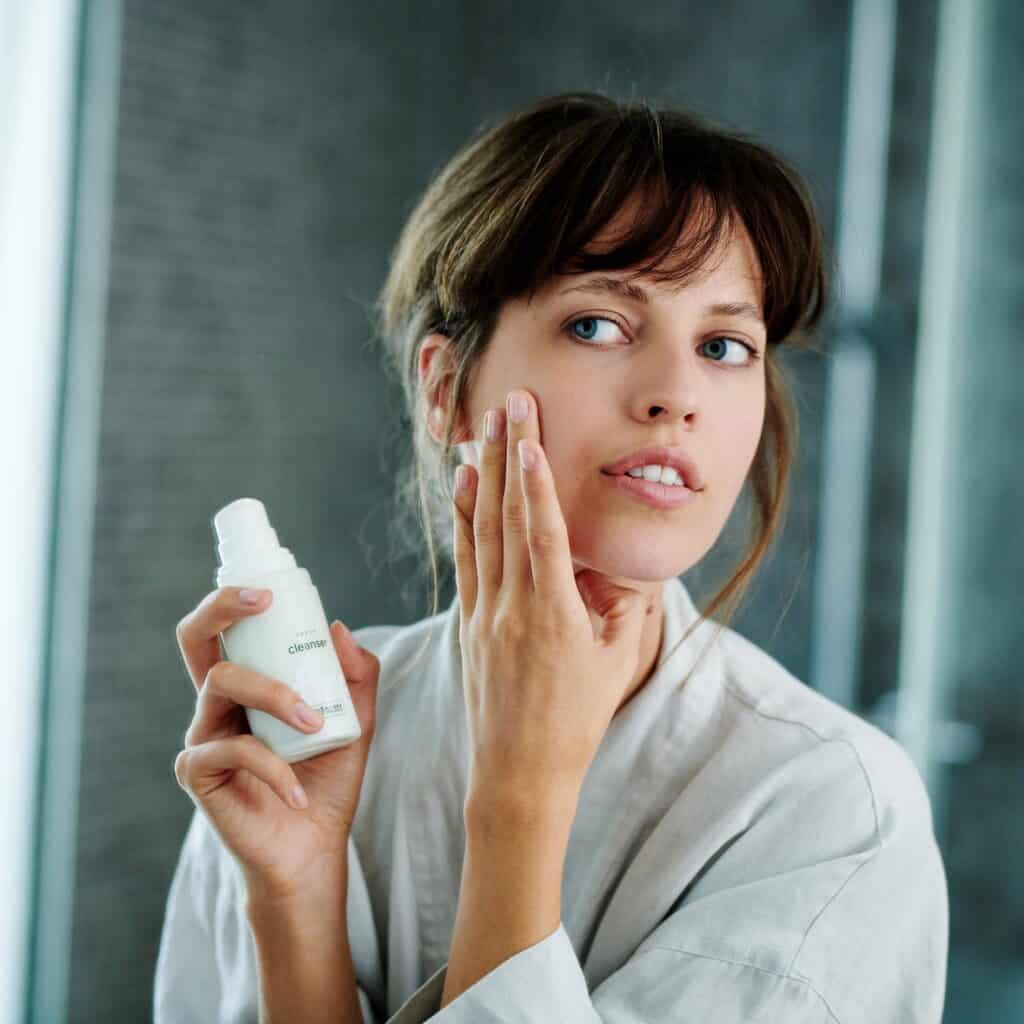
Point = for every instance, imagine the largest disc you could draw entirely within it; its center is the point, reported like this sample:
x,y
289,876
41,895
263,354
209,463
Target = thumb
x,y
621,609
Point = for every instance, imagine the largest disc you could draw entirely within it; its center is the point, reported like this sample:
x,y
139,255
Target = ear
x,y
435,375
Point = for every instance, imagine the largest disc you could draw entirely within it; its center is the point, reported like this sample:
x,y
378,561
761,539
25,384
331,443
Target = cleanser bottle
x,y
289,640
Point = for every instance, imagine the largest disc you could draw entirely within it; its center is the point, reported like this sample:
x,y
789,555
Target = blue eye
x,y
591,323
591,320
753,354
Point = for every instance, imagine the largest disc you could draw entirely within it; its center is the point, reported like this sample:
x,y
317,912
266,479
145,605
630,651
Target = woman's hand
x,y
246,790
547,655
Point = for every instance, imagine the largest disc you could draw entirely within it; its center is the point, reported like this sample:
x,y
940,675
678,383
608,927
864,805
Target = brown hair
x,y
519,204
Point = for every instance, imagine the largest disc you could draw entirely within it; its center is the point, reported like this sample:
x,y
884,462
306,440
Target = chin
x,y
633,569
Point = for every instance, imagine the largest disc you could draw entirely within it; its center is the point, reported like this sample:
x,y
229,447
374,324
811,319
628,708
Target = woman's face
x,y
666,372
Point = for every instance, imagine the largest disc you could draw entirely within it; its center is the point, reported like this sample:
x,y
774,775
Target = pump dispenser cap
x,y
247,544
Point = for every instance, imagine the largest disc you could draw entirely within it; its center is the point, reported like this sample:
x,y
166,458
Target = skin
x,y
649,374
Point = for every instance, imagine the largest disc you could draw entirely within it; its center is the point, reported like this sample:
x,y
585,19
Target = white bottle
x,y
289,640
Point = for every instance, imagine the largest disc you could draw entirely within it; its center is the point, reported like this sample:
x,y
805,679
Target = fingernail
x,y
493,424
462,478
305,714
517,408
299,796
251,596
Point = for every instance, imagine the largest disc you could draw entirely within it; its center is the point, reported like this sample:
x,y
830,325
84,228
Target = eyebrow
x,y
601,285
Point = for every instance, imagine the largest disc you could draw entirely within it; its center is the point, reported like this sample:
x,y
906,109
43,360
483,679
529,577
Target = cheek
x,y
746,421
755,429
575,478
736,440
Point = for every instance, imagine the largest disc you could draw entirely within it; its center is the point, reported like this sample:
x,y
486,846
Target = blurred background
x,y
197,204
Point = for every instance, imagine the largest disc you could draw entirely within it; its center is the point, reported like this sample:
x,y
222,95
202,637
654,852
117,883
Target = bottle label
x,y
290,641
319,689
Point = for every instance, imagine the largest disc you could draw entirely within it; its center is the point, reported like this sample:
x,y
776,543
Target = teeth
x,y
657,474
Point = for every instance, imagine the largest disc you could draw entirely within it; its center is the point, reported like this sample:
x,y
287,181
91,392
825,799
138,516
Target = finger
x,y
357,663
547,534
515,551
487,511
363,690
199,632
228,686
464,546
202,770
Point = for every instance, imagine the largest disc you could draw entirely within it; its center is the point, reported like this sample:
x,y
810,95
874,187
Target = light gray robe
x,y
743,850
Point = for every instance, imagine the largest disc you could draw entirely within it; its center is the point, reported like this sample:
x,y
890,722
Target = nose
x,y
669,388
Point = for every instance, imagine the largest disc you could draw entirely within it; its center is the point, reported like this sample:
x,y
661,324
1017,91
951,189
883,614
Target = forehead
x,y
734,264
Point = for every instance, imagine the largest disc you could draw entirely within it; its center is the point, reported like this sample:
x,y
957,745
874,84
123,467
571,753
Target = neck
x,y
650,648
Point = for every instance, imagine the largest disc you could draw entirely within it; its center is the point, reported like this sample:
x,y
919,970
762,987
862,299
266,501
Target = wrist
x,y
520,810
303,953
317,892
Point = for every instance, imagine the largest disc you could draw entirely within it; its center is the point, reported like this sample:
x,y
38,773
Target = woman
x,y
588,802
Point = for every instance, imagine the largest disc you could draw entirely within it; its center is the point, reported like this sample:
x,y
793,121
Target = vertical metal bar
x,y
922,676
37,90
92,179
845,487
851,369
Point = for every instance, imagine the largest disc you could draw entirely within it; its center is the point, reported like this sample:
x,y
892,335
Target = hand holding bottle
x,y
244,788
